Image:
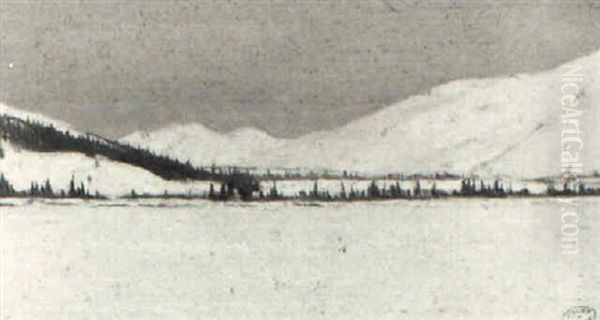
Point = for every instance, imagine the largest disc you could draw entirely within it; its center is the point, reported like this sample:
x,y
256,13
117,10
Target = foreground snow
x,y
458,259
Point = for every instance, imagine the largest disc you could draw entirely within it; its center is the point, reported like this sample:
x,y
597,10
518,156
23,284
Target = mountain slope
x,y
485,126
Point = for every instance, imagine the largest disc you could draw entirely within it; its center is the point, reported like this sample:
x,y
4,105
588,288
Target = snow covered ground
x,y
451,259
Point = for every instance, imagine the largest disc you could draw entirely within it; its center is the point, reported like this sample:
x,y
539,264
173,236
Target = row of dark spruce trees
x,y
45,190
248,192
469,188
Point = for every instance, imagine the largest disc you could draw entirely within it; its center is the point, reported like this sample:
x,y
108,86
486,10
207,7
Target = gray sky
x,y
288,67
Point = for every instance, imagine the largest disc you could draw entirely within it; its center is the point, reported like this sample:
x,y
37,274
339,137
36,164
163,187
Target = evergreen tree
x,y
81,191
211,191
223,192
566,189
551,191
417,188
6,189
72,192
352,194
230,188
343,191
582,189
315,191
373,190
34,190
273,193
48,188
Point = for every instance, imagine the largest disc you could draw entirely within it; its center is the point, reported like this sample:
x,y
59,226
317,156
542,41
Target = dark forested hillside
x,y
41,137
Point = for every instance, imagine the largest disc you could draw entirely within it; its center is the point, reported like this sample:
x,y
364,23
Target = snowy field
x,y
451,259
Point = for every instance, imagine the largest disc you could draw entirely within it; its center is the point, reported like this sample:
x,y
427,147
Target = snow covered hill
x,y
499,126
22,167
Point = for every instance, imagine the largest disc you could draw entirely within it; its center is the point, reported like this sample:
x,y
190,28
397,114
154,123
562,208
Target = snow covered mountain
x,y
498,126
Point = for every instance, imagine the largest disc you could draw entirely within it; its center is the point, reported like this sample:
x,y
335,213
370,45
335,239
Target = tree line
x,y
244,187
469,188
46,190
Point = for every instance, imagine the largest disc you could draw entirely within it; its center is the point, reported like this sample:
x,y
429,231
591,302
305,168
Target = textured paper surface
x,y
299,160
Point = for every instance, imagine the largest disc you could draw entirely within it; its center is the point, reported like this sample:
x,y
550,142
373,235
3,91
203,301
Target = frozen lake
x,y
450,259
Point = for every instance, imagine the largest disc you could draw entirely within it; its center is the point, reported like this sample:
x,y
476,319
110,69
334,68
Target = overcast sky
x,y
288,67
